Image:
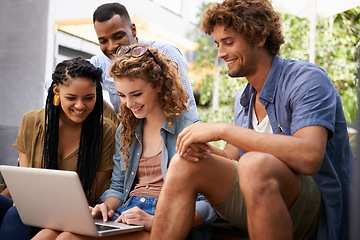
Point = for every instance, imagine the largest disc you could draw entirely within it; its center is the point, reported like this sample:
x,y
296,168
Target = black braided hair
x,y
92,127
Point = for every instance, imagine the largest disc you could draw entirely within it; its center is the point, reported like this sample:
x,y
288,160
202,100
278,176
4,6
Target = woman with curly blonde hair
x,y
161,74
152,114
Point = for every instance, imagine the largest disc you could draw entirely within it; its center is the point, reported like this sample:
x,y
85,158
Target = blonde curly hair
x,y
163,74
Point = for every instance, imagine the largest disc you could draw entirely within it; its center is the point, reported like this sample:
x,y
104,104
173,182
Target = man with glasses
x,y
114,29
286,169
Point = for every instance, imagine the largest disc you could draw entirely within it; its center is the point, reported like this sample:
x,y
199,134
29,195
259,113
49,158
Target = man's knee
x,y
254,163
256,175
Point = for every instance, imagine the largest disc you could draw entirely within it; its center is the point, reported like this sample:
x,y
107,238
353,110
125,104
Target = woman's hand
x,y
136,216
196,151
102,210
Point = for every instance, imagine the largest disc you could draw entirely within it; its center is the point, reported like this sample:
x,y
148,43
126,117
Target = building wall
x,y
23,43
30,45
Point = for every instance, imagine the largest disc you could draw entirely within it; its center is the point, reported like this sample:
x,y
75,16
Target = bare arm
x,y
6,193
23,161
113,202
303,152
201,150
197,220
231,151
139,217
107,209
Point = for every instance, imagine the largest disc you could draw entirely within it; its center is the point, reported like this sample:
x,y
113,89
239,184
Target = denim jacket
x,y
122,180
297,94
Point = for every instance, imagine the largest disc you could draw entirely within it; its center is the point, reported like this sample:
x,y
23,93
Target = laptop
x,y
55,199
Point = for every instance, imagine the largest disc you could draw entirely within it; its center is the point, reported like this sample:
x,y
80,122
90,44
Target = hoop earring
x,y
56,100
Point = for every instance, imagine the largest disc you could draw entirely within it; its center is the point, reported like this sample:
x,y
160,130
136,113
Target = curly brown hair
x,y
253,18
161,73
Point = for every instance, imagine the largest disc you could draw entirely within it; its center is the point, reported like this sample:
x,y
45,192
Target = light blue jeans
x,y
148,205
145,203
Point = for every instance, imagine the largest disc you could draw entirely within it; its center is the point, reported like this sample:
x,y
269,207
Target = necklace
x,y
152,169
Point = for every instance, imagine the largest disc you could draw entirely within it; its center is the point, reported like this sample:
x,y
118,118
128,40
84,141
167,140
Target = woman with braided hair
x,y
153,112
69,134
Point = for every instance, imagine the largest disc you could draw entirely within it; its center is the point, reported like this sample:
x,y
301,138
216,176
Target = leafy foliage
x,y
337,49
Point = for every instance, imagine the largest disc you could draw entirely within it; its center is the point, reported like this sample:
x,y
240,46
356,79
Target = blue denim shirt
x,y
173,53
122,180
297,94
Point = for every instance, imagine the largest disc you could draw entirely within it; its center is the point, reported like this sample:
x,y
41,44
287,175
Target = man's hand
x,y
136,216
199,134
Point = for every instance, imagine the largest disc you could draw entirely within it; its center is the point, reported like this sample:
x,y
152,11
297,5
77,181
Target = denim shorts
x,y
147,204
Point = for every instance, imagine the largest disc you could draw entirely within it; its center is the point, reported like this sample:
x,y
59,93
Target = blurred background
x,y
38,34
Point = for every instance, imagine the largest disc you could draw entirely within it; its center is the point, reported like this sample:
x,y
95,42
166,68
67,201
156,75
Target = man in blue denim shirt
x,y
291,175
114,28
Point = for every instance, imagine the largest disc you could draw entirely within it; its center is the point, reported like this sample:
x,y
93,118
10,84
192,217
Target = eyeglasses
x,y
135,51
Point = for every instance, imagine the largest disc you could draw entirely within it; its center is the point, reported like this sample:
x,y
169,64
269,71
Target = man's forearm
x,y
303,152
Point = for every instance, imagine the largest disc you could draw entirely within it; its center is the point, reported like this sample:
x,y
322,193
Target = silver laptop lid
x,y
49,199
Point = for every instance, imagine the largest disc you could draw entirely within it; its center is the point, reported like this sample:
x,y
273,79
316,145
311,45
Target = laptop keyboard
x,y
100,227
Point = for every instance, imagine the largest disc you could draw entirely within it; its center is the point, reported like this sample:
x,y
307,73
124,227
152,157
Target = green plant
x,y
337,48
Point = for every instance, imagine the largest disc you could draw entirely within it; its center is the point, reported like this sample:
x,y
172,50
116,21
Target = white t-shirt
x,y
264,126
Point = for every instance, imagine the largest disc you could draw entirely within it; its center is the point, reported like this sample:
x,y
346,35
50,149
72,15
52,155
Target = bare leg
x,y
213,177
269,187
142,235
47,234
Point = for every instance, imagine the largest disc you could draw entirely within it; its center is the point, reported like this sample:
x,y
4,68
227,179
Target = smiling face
x,y
115,32
139,96
236,51
77,98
